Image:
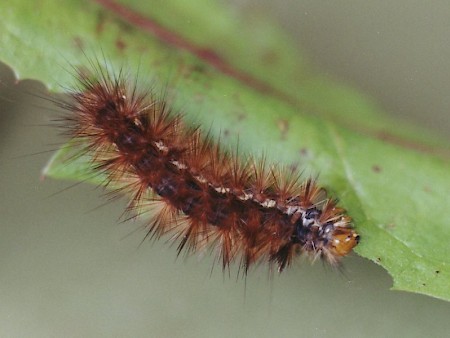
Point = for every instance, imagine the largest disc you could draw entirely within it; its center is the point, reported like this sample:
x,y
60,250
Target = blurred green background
x,y
69,268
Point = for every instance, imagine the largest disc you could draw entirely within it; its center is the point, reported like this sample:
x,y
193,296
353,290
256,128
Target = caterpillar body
x,y
205,197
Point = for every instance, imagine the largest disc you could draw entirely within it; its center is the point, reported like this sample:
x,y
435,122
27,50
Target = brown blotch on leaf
x,y
100,22
241,116
304,152
270,57
376,168
427,189
120,45
283,126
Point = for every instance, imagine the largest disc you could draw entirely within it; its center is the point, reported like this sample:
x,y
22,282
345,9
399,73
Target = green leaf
x,y
243,76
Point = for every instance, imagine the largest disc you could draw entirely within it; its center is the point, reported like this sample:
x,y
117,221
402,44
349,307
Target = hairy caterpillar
x,y
202,195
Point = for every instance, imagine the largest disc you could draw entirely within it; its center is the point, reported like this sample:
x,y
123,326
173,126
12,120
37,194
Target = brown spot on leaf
x,y
391,226
376,168
303,152
199,68
283,126
241,116
100,23
120,45
270,57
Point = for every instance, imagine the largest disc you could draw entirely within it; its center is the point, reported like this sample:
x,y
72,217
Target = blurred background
x,y
396,51
69,268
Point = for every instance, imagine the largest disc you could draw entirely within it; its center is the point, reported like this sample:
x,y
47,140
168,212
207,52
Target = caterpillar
x,y
205,197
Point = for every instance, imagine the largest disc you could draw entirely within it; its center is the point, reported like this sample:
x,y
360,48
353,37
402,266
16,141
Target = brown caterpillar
x,y
203,196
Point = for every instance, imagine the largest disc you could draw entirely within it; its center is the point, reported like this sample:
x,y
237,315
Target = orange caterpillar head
x,y
343,241
325,232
